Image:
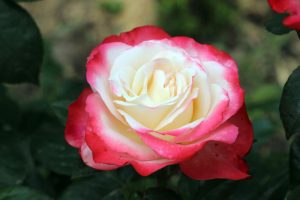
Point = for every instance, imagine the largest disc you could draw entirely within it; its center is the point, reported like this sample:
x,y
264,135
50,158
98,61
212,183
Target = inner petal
x,y
148,116
162,88
157,90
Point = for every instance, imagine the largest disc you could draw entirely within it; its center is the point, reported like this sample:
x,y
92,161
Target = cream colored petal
x,y
180,115
147,116
202,103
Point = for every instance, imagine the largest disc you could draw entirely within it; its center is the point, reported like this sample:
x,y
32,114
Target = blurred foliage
x,y
199,19
112,6
36,162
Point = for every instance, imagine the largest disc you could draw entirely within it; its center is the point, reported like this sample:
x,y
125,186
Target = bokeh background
x,y
72,28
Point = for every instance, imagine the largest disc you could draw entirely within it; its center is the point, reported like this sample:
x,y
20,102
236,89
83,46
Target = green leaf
x,y
275,25
295,161
13,163
20,193
160,194
60,109
290,104
104,186
21,46
52,151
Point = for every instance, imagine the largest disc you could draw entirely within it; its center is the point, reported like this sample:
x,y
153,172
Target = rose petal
x,y
215,160
245,137
220,103
279,6
101,152
105,159
115,135
77,119
292,21
221,70
219,160
226,133
87,157
98,68
138,111
138,35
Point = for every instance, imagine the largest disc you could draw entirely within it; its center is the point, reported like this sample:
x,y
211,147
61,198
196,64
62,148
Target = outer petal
x,y
103,153
245,137
77,119
216,160
138,35
219,160
101,59
226,133
99,156
87,157
98,68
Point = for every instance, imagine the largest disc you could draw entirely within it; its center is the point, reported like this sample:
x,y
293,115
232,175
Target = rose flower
x,y
292,8
157,100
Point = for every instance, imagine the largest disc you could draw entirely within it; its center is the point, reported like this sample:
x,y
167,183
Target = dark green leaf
x,y
275,25
290,104
21,47
50,149
160,194
104,185
20,193
13,163
295,161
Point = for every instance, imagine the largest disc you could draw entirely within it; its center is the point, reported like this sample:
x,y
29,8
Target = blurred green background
x,y
71,28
